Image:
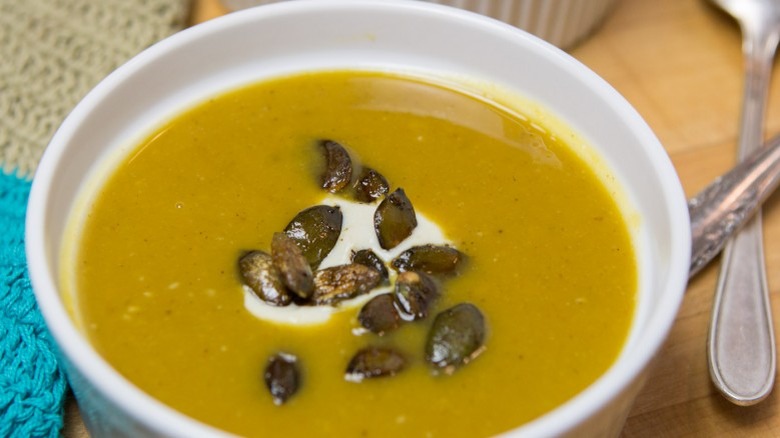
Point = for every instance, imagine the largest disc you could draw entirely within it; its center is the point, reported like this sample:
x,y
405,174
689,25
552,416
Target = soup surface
x,y
551,263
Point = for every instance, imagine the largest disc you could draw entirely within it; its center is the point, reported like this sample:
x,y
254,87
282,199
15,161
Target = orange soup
x,y
551,264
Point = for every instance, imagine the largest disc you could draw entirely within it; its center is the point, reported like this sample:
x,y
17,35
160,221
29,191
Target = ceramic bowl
x,y
399,36
563,23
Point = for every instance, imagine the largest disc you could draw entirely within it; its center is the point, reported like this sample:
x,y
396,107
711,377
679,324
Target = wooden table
x,y
679,63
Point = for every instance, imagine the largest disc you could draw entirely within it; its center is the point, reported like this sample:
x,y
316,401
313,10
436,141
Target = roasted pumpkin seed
x,y
292,265
316,230
370,185
372,362
414,293
457,336
259,274
431,259
368,258
338,283
394,219
379,315
338,166
282,377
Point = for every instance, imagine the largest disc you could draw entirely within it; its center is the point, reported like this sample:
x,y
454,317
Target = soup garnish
x,y
457,335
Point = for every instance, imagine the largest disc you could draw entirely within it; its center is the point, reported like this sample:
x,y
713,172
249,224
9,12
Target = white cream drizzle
x,y
357,232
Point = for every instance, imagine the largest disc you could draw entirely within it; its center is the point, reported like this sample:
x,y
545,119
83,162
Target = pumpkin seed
x,y
316,231
366,257
372,362
261,276
370,185
431,259
414,293
379,315
394,219
282,377
456,337
338,166
338,283
292,265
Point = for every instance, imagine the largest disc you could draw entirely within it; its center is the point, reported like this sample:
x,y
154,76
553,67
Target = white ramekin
x,y
563,23
399,36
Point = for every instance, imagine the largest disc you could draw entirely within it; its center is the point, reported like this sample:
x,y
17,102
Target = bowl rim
x,y
140,406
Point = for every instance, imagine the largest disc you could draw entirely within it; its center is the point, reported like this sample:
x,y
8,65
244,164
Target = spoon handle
x,y
741,347
725,205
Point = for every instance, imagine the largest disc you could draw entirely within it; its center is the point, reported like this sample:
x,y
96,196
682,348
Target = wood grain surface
x,y
679,62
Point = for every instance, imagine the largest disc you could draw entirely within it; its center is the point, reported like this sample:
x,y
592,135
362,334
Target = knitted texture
x,y
31,381
52,52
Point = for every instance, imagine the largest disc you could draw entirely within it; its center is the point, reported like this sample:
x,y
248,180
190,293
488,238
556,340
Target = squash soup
x,y
547,287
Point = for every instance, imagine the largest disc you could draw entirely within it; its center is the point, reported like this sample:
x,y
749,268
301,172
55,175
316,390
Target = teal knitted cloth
x,y
52,52
33,386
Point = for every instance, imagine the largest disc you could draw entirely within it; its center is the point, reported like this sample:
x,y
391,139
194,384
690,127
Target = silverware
x,y
717,212
741,347
722,207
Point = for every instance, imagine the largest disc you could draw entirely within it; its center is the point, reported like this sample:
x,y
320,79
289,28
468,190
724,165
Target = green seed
x,y
370,185
316,231
338,166
394,219
457,336
292,265
379,315
444,261
373,362
282,377
261,276
414,294
366,257
338,283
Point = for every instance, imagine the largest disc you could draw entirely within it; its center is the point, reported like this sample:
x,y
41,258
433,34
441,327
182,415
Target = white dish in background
x,y
563,23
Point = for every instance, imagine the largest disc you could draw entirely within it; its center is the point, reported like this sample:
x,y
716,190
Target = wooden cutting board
x,y
679,63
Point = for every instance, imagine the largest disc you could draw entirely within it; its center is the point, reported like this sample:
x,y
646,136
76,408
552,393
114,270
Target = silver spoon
x,y
721,208
717,212
741,347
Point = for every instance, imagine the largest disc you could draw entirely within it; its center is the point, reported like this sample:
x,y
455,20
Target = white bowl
x,y
563,23
401,36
